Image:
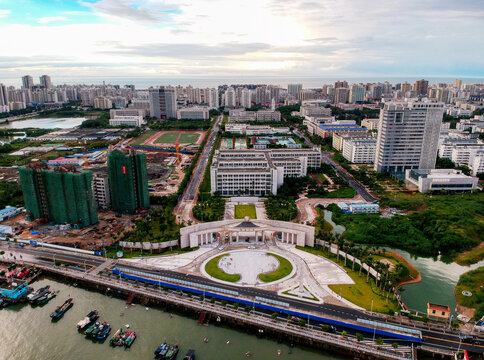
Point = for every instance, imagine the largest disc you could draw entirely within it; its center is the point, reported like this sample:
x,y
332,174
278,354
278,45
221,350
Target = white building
x,y
9,212
247,116
359,151
447,145
230,97
408,136
357,93
100,190
475,125
246,129
259,172
294,89
440,179
103,103
370,124
195,113
245,98
129,117
314,110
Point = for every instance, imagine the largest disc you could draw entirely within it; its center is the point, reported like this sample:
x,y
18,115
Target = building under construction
x,y
128,181
61,196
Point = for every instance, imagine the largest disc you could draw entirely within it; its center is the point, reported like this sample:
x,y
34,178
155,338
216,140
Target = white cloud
x,y
49,19
4,13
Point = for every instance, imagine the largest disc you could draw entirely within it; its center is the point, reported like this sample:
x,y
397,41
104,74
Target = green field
x,y
241,211
213,270
189,138
284,269
144,136
472,281
167,138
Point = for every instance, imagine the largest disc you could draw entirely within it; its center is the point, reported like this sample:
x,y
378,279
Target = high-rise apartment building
x,y
340,84
245,98
63,196
408,136
27,82
458,84
163,103
230,97
341,95
357,93
3,95
45,81
128,181
421,87
294,89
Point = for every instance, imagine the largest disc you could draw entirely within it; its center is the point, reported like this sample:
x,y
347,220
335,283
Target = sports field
x,y
227,144
169,138
240,144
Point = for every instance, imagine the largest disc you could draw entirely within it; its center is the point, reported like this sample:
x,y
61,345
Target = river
x,y
28,333
438,278
44,123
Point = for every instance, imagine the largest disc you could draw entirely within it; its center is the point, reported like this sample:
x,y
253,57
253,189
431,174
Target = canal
x,y
28,333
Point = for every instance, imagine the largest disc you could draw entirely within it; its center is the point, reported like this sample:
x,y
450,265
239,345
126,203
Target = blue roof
x,y
7,209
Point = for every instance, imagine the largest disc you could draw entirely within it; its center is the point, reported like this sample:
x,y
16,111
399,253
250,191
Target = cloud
x,y
145,11
4,13
49,19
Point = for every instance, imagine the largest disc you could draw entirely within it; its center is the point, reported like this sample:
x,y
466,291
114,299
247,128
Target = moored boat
x,y
160,349
32,297
172,352
103,333
89,319
92,328
57,314
46,298
130,339
190,355
116,337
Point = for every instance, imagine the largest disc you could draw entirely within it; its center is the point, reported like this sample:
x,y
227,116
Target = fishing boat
x,y
104,332
159,349
116,337
130,339
190,355
37,294
172,352
57,314
98,330
89,319
92,328
46,298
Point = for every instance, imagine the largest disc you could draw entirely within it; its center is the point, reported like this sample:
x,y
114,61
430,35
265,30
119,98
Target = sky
x,y
181,38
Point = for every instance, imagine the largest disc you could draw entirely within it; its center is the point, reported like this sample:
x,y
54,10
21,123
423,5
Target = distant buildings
x,y
294,89
195,113
360,150
128,181
441,179
62,196
129,117
45,82
163,103
247,116
103,103
408,136
246,129
421,87
27,82
357,94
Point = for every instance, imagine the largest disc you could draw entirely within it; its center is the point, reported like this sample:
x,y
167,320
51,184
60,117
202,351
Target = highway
x,y
194,183
435,337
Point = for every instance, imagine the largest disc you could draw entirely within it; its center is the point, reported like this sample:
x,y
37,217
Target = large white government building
x,y
129,117
246,230
259,172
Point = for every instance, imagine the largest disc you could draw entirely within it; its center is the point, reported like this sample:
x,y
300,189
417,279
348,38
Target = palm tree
x,y
369,262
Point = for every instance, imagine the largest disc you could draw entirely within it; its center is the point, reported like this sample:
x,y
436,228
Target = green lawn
x,y
241,211
472,281
189,138
213,270
167,138
361,293
284,269
143,137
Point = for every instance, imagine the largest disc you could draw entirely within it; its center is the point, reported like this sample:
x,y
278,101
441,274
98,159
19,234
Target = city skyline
x,y
269,38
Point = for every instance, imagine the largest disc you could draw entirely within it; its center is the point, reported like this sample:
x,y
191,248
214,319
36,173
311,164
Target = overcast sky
x,y
246,37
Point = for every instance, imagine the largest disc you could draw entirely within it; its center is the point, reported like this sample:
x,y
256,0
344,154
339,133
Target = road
x,y
195,180
355,184
435,336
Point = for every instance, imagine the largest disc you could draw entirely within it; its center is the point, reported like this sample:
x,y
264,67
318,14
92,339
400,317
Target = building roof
x,y
7,209
246,224
444,308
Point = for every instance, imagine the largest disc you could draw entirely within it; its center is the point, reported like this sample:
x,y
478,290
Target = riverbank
x,y
469,294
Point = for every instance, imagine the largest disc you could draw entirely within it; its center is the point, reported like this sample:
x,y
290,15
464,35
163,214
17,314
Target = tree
x,y
343,334
359,337
395,346
379,341
302,322
274,315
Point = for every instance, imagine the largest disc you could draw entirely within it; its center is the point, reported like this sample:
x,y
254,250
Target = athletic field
x,y
169,138
227,144
240,144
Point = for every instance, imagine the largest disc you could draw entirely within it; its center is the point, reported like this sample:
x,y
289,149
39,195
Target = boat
x,y
130,339
160,348
89,319
46,298
104,332
57,314
172,352
116,337
92,328
37,294
190,355
98,329
163,351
